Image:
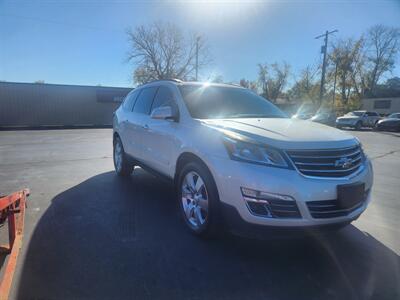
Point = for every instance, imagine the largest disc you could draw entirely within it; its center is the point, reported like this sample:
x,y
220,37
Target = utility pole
x,y
324,50
197,57
334,86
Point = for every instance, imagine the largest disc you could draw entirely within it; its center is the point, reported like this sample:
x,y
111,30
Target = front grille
x,y
275,209
327,162
333,208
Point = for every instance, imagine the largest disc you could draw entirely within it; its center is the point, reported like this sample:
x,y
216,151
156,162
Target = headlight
x,y
254,153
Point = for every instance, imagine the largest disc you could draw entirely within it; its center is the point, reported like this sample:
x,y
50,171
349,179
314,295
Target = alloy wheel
x,y
194,199
118,156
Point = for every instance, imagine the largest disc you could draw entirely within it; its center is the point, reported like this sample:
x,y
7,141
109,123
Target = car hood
x,y
285,133
389,120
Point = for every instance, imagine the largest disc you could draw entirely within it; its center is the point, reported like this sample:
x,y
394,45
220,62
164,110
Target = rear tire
x,y
198,200
121,164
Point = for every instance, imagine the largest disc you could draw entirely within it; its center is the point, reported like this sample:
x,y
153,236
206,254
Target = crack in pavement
x,y
385,154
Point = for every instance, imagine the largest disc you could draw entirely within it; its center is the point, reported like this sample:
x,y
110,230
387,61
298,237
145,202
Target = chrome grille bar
x,y
327,162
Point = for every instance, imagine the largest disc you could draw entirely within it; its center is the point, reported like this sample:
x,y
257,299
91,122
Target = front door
x,y
161,139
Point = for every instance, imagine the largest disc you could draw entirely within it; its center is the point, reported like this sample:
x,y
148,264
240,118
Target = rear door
x,y
138,120
372,118
124,116
161,138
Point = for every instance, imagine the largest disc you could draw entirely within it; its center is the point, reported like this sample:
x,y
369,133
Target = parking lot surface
x,y
90,234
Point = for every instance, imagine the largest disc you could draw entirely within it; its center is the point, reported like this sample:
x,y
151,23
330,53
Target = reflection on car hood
x,y
285,133
389,120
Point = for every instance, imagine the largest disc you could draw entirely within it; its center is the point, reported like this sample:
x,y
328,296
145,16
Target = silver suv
x,y
358,119
236,159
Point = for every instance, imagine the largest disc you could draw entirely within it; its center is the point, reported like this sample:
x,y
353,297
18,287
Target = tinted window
x,y
394,116
356,113
213,102
164,97
130,100
144,101
372,114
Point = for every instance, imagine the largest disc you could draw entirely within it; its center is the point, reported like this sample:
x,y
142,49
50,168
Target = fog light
x,y
264,195
270,205
249,192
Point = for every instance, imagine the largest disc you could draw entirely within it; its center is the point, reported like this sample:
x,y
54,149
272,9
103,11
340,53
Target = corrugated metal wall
x,y
25,104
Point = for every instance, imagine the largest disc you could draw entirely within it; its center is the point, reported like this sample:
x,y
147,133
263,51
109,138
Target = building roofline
x,y
66,85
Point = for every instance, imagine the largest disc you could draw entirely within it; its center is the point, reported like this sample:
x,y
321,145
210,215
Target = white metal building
x,y
381,105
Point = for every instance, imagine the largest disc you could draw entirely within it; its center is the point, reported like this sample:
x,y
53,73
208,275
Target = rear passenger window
x,y
144,101
164,97
130,100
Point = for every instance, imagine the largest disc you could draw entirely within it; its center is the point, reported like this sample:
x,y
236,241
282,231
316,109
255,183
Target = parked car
x,y
392,122
358,119
236,159
327,118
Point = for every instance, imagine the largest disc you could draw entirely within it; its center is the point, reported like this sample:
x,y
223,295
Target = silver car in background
x,y
358,119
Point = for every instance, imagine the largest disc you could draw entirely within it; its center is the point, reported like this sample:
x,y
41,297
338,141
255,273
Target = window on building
x,y
144,100
110,94
382,104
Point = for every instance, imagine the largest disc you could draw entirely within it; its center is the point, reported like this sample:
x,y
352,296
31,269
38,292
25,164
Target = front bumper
x,y
230,176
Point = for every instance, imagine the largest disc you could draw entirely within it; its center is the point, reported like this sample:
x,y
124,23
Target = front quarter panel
x,y
201,141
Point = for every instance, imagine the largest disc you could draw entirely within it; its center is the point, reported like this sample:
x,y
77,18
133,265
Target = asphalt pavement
x,y
92,235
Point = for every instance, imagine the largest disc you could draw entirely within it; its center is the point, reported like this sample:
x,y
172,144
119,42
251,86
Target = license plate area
x,y
349,195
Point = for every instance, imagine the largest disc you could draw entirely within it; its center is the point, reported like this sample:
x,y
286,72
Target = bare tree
x,y
273,79
161,51
345,57
306,88
383,44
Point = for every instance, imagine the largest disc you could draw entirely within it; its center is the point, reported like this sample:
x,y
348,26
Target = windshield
x,y
356,113
394,116
220,102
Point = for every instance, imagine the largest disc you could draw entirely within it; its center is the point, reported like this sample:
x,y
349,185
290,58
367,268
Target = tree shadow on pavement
x,y
113,238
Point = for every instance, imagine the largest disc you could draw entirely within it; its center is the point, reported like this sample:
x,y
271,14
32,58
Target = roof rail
x,y
167,79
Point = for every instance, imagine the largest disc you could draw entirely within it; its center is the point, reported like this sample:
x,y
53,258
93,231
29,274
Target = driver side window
x,y
165,97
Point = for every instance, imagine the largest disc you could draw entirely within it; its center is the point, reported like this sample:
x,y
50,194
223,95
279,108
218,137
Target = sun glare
x,y
219,11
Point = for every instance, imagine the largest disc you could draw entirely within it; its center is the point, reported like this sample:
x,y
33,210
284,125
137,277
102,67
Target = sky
x,y
85,42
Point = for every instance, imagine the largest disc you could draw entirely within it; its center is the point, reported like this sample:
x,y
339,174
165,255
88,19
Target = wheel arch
x,y
115,135
185,158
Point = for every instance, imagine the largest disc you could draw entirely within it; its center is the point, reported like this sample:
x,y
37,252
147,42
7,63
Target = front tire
x,y
198,200
121,164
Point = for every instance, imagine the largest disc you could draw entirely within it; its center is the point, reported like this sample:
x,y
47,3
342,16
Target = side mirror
x,y
163,113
